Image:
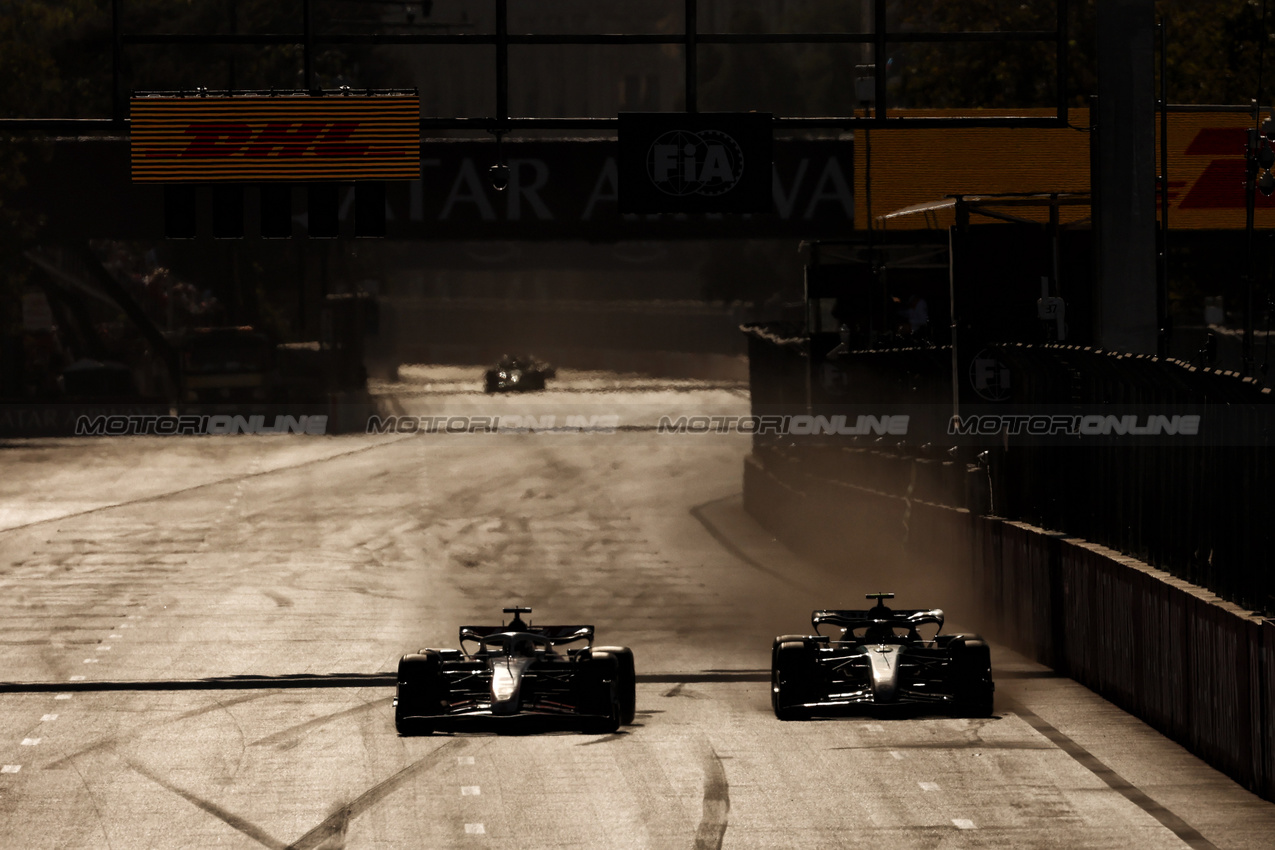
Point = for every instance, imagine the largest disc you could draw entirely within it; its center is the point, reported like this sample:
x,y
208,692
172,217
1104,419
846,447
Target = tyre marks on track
x,y
111,741
288,737
229,479
1183,830
730,546
279,599
243,825
328,834
712,825
337,822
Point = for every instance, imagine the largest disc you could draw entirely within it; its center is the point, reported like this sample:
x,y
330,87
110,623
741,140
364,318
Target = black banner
x,y
695,162
566,189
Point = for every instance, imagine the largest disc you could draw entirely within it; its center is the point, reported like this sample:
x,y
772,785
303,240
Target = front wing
x,y
842,679
547,692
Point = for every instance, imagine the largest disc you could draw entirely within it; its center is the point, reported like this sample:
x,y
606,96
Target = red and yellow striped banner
x,y
272,138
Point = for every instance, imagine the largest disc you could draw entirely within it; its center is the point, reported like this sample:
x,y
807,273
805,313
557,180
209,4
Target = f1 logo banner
x,y
264,137
695,162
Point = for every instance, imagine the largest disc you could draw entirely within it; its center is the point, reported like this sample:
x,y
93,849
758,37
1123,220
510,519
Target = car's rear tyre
x,y
971,680
420,693
626,682
790,671
598,692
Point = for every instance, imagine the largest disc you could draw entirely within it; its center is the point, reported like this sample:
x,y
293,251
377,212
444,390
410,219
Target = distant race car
x,y
552,672
518,374
880,661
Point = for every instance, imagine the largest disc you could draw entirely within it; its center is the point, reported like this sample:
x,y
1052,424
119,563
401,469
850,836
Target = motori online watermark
x,y
1074,425
118,425
664,424
506,424
800,425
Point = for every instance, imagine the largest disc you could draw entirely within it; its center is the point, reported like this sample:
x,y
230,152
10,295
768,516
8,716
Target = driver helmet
x,y
879,632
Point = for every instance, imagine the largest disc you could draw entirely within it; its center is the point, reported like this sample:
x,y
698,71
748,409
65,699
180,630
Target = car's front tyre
x,y
790,670
598,692
971,682
626,682
419,693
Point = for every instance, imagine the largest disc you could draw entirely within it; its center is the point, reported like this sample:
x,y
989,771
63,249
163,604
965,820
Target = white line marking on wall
x,y
896,754
63,696
30,742
963,823
464,759
10,768
48,718
475,829
470,790
929,786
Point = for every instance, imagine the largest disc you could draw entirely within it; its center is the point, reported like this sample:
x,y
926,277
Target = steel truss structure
x,y
691,39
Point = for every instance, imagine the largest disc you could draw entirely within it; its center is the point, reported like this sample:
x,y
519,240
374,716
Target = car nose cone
x,y
885,672
506,684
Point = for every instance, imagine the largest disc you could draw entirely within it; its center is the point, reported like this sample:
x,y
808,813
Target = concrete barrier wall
x,y
1198,669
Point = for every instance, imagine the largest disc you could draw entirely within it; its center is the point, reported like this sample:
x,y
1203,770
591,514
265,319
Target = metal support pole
x,y
879,59
502,61
1250,205
1061,54
307,47
1127,249
1055,288
692,55
1163,294
954,325
234,30
117,56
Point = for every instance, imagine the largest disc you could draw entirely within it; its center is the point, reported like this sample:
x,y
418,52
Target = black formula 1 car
x,y
517,670
879,661
518,374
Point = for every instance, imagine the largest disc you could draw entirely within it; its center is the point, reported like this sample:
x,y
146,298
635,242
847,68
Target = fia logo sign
x,y
990,377
703,162
709,162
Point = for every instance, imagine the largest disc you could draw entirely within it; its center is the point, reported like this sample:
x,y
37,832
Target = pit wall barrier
x,y
1198,669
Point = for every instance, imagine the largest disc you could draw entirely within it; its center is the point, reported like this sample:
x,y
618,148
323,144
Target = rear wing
x,y
855,619
557,635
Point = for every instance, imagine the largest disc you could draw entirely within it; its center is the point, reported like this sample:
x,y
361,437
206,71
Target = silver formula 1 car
x,y
880,661
554,673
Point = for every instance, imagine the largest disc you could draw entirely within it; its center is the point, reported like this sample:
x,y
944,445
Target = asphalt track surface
x,y
198,632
